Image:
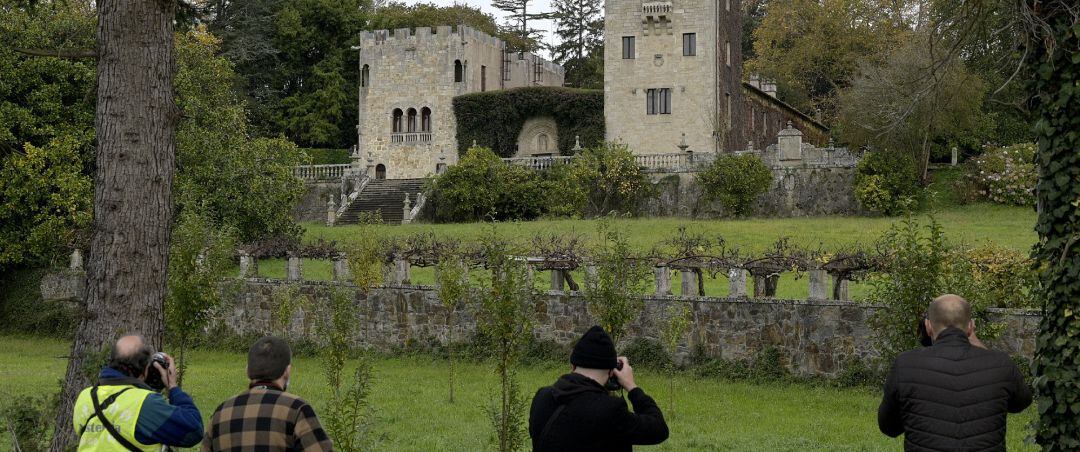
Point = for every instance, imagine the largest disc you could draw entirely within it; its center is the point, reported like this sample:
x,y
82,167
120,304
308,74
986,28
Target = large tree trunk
x,y
1052,48
133,208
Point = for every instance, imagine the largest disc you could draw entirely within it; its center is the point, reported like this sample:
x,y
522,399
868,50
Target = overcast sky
x,y
485,6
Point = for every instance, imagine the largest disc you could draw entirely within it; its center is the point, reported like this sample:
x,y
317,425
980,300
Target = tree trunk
x,y
133,209
1055,102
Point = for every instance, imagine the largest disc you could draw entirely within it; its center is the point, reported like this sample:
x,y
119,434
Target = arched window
x,y
425,119
411,120
459,73
397,121
365,76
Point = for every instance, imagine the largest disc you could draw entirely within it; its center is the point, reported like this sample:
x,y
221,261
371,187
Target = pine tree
x,y
579,24
518,23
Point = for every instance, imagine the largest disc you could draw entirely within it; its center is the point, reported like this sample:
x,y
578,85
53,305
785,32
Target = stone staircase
x,y
384,196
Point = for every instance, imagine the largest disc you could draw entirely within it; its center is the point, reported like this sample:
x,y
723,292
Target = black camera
x,y
153,377
612,382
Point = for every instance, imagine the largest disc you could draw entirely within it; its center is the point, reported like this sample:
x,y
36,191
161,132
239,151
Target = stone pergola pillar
x,y
248,268
341,268
689,283
840,289
294,271
663,281
76,263
818,284
331,211
737,282
557,280
401,271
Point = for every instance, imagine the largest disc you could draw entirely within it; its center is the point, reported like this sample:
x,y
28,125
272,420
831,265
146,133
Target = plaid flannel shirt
x,y
268,420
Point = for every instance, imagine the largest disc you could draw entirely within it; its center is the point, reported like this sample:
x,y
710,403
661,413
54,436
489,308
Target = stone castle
x,y
672,82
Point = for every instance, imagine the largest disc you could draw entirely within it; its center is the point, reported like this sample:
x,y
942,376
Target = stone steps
x,y
384,198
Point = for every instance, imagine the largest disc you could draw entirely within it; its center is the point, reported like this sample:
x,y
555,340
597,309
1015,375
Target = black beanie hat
x,y
595,350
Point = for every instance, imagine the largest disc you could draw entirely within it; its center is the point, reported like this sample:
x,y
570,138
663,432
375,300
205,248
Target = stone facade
x,y
539,137
814,337
709,102
312,205
408,81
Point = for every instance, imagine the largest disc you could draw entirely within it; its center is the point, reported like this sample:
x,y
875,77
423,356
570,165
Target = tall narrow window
x,y
727,98
458,72
365,76
411,120
665,101
727,5
483,78
397,121
727,53
689,44
628,47
425,119
650,101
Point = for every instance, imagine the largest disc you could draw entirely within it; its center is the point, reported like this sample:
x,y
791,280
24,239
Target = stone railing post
x,y
737,283
789,141
663,281
76,264
689,283
818,284
331,211
247,265
341,268
406,214
401,272
293,271
557,280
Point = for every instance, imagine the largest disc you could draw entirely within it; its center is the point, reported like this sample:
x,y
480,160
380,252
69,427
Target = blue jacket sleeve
x,y
175,423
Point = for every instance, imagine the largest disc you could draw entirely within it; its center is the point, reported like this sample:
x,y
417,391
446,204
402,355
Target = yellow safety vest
x,y
122,413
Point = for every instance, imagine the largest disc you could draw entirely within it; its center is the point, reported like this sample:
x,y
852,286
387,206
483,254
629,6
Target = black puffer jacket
x,y
593,420
952,396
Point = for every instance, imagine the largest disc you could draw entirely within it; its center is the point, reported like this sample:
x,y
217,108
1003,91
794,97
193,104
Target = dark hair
x,y
134,363
268,359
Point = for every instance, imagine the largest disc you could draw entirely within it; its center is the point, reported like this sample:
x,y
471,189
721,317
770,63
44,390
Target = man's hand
x,y
168,376
625,376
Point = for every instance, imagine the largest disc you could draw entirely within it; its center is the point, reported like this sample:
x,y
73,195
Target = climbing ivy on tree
x,y
493,119
1053,49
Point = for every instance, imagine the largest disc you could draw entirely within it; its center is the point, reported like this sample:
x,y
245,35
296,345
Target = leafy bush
x,y
736,181
647,353
23,311
321,156
482,186
494,119
30,418
765,366
886,183
992,276
1002,175
598,181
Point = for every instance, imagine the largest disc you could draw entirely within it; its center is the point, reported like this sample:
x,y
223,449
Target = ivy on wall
x,y
494,119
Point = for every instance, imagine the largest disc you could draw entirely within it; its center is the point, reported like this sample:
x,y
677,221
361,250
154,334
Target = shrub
x,y
736,181
322,156
1002,175
494,119
647,353
30,418
482,186
885,182
598,181
992,276
23,311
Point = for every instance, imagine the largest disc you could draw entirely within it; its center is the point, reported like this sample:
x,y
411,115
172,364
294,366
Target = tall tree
x,y
579,25
394,15
1053,32
135,123
517,23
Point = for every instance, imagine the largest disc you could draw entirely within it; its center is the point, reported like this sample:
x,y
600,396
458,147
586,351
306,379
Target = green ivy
x,y
494,119
1054,63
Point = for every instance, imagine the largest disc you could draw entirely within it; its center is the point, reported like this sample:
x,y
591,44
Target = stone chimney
x,y
769,87
755,81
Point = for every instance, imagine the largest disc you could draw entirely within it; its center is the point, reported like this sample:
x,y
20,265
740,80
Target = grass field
x,y
414,415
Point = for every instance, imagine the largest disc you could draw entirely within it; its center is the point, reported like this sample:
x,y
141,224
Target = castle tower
x,y
408,80
673,67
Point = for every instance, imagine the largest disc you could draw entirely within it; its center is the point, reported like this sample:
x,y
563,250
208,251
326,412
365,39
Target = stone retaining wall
x,y
813,337
312,206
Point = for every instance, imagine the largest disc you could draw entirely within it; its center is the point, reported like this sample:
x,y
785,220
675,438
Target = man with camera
x,y
125,411
265,417
953,394
578,413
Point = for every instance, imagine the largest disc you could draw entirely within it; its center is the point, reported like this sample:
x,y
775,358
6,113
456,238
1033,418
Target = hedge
x,y
493,119
326,156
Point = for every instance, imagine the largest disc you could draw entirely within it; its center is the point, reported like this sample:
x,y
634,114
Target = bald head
x,y
131,355
949,311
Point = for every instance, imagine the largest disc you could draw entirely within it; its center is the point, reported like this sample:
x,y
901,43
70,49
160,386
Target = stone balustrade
x,y
410,137
321,172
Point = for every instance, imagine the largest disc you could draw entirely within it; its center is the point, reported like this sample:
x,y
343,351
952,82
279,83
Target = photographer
x,y
577,413
124,411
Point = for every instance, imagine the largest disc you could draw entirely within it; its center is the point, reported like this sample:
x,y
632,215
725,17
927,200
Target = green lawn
x,y
413,414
